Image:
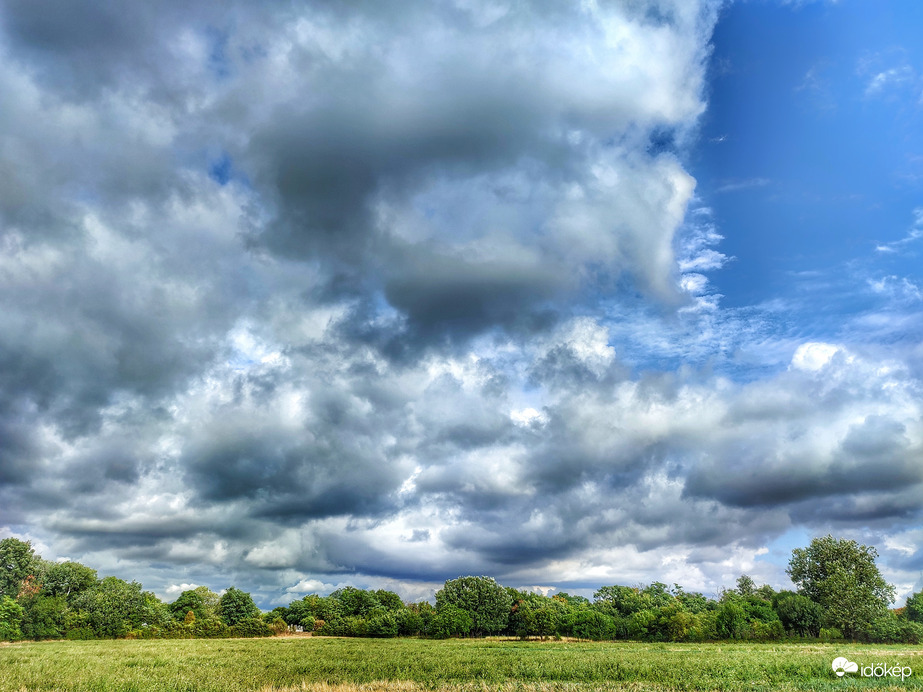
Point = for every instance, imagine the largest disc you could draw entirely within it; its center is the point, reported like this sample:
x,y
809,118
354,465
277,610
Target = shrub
x,y
450,621
251,627
830,634
731,621
10,619
409,623
80,634
590,624
209,628
385,625
278,626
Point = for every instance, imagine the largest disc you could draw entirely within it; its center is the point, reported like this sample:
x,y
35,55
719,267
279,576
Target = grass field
x,y
410,665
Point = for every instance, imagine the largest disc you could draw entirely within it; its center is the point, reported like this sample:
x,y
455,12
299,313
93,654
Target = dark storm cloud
x,y
775,453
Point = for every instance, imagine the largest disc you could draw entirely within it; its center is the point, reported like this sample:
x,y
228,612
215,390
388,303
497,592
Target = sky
x,y
304,295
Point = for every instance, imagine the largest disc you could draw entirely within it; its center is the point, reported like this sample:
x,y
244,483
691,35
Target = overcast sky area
x,y
301,295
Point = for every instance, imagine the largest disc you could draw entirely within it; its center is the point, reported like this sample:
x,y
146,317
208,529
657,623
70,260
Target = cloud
x,y
887,73
303,297
737,185
913,235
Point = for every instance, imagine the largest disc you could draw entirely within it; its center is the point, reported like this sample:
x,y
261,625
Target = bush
x,y
766,631
830,634
891,629
590,624
10,619
335,627
178,630
44,617
278,626
409,623
251,627
799,614
450,621
731,621
385,625
209,628
80,634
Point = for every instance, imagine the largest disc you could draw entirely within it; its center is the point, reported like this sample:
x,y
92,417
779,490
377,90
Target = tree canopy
x,y
842,578
17,562
485,601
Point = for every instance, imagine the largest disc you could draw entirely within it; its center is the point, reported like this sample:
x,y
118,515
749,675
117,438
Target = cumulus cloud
x,y
297,297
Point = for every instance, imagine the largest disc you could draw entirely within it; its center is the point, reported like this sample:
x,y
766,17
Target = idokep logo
x,y
842,665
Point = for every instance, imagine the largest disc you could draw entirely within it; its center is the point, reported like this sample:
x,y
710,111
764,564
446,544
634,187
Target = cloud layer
x,y
296,296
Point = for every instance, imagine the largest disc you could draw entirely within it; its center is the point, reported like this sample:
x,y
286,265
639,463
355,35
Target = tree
x,y
841,576
359,602
745,585
389,600
451,621
485,601
914,608
799,614
44,617
236,605
114,607
67,579
17,562
201,600
10,619
619,600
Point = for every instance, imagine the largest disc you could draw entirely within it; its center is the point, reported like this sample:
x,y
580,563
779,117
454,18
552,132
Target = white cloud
x,y
812,357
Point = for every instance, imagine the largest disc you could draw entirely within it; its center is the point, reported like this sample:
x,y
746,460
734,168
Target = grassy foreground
x,y
412,665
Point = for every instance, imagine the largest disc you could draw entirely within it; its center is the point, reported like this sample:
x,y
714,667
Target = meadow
x,y
321,664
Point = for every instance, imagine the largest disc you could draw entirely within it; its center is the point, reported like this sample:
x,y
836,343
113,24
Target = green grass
x,y
409,665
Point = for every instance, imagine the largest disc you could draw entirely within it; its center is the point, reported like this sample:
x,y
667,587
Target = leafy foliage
x,y
114,607
67,600
68,579
841,576
482,598
914,608
201,601
17,562
236,605
10,619
799,614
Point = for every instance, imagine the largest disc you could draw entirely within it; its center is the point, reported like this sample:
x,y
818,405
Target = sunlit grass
x,y
412,665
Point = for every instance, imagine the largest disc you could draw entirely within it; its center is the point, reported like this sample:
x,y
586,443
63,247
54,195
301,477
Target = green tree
x,y
359,602
914,608
799,614
10,619
841,576
236,605
745,585
201,600
691,601
485,601
114,607
17,562
67,579
618,600
44,617
731,620
451,621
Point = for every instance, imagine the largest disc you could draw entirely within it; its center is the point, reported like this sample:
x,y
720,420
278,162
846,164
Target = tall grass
x,y
408,665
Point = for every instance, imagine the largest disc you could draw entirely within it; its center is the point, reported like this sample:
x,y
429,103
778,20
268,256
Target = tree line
x,y
840,594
